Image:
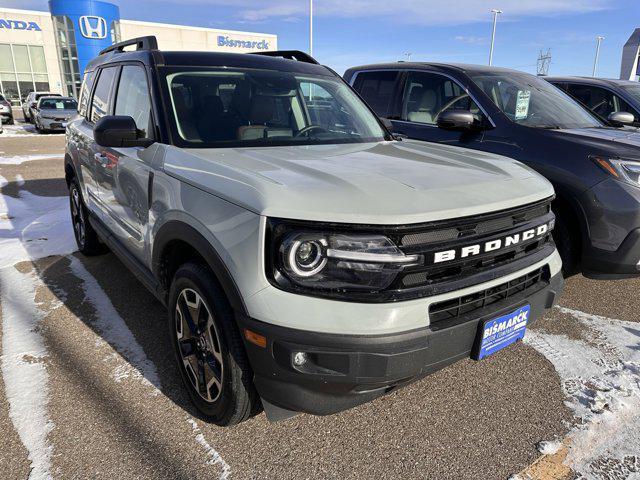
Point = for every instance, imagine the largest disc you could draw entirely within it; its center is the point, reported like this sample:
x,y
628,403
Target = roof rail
x,y
142,43
290,55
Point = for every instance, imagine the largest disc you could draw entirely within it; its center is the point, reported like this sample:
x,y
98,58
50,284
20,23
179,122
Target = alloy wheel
x,y
77,217
199,345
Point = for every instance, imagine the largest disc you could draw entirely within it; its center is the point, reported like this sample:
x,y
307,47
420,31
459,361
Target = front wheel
x,y
208,348
565,236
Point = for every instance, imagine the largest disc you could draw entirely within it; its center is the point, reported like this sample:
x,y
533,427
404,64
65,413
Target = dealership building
x,y
48,51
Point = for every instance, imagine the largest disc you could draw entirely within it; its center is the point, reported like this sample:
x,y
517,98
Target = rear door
x,y
378,89
126,177
92,162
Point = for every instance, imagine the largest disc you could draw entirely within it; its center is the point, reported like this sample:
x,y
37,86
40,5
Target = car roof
x,y
55,97
592,80
462,67
208,59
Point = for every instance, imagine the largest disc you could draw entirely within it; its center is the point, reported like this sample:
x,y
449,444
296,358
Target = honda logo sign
x,y
93,27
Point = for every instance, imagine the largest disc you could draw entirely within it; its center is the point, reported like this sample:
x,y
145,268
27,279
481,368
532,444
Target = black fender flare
x,y
178,230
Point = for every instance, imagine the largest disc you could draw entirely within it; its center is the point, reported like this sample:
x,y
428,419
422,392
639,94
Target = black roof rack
x,y
290,55
142,43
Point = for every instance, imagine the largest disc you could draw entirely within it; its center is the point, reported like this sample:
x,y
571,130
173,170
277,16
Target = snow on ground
x,y
114,330
22,130
549,447
213,457
33,227
24,373
601,379
17,160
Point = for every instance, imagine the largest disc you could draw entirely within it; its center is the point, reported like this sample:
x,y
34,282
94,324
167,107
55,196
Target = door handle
x,y
101,158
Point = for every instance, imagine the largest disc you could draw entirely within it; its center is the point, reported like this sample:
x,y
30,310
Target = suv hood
x,y
54,112
628,136
377,183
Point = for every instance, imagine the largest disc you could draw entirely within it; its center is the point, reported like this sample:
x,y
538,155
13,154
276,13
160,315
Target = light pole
x,y
495,12
599,39
311,27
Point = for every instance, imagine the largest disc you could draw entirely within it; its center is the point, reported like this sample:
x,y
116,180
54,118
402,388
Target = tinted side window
x,y
427,95
133,97
601,102
85,92
100,101
376,88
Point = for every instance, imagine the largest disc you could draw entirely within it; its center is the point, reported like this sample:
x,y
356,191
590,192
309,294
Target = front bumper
x,y
347,370
612,216
53,124
6,115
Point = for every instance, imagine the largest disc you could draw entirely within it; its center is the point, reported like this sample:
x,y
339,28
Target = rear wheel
x,y
208,347
86,237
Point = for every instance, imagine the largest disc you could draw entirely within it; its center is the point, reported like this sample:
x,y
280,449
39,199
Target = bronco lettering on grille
x,y
491,245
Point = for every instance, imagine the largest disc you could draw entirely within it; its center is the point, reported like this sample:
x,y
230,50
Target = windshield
x,y
58,104
633,91
264,107
532,101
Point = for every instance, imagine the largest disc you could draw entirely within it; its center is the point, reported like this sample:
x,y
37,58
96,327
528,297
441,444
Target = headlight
x,y
627,170
332,262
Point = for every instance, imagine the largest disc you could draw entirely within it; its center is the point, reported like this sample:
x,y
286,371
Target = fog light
x,y
299,359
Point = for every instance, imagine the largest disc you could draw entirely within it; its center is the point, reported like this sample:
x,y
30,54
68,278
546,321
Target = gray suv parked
x,y
309,261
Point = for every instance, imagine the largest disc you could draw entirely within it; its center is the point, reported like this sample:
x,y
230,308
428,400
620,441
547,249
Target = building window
x,y
68,54
23,69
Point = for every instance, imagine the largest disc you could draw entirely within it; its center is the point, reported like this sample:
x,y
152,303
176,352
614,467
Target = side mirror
x,y
459,120
118,131
619,119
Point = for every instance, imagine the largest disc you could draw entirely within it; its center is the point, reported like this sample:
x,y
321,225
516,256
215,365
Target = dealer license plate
x,y
503,331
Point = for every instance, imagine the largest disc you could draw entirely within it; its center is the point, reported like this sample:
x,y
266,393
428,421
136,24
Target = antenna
x,y
544,62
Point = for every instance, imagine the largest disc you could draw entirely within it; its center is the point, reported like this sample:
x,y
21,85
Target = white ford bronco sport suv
x,y
309,261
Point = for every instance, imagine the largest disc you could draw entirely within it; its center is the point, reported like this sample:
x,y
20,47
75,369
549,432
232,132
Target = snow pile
x,y
24,373
601,378
22,130
549,447
213,456
114,330
20,159
33,227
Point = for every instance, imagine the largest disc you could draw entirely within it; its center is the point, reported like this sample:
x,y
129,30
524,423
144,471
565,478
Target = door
x,y
601,101
88,152
377,88
425,96
124,186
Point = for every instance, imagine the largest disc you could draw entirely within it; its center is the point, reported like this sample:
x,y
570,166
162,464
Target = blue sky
x,y
351,32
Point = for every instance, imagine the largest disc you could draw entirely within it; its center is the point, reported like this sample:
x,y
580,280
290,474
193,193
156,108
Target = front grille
x,y
434,277
478,226
459,307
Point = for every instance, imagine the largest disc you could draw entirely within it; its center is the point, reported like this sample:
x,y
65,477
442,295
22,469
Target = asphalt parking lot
x,y
89,388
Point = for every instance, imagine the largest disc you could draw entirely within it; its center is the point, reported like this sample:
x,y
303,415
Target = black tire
x,y
567,240
87,239
11,121
231,395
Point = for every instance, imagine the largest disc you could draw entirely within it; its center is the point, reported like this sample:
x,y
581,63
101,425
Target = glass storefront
x,y
23,69
68,52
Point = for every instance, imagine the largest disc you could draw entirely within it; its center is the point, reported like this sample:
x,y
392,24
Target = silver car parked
x,y
53,113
